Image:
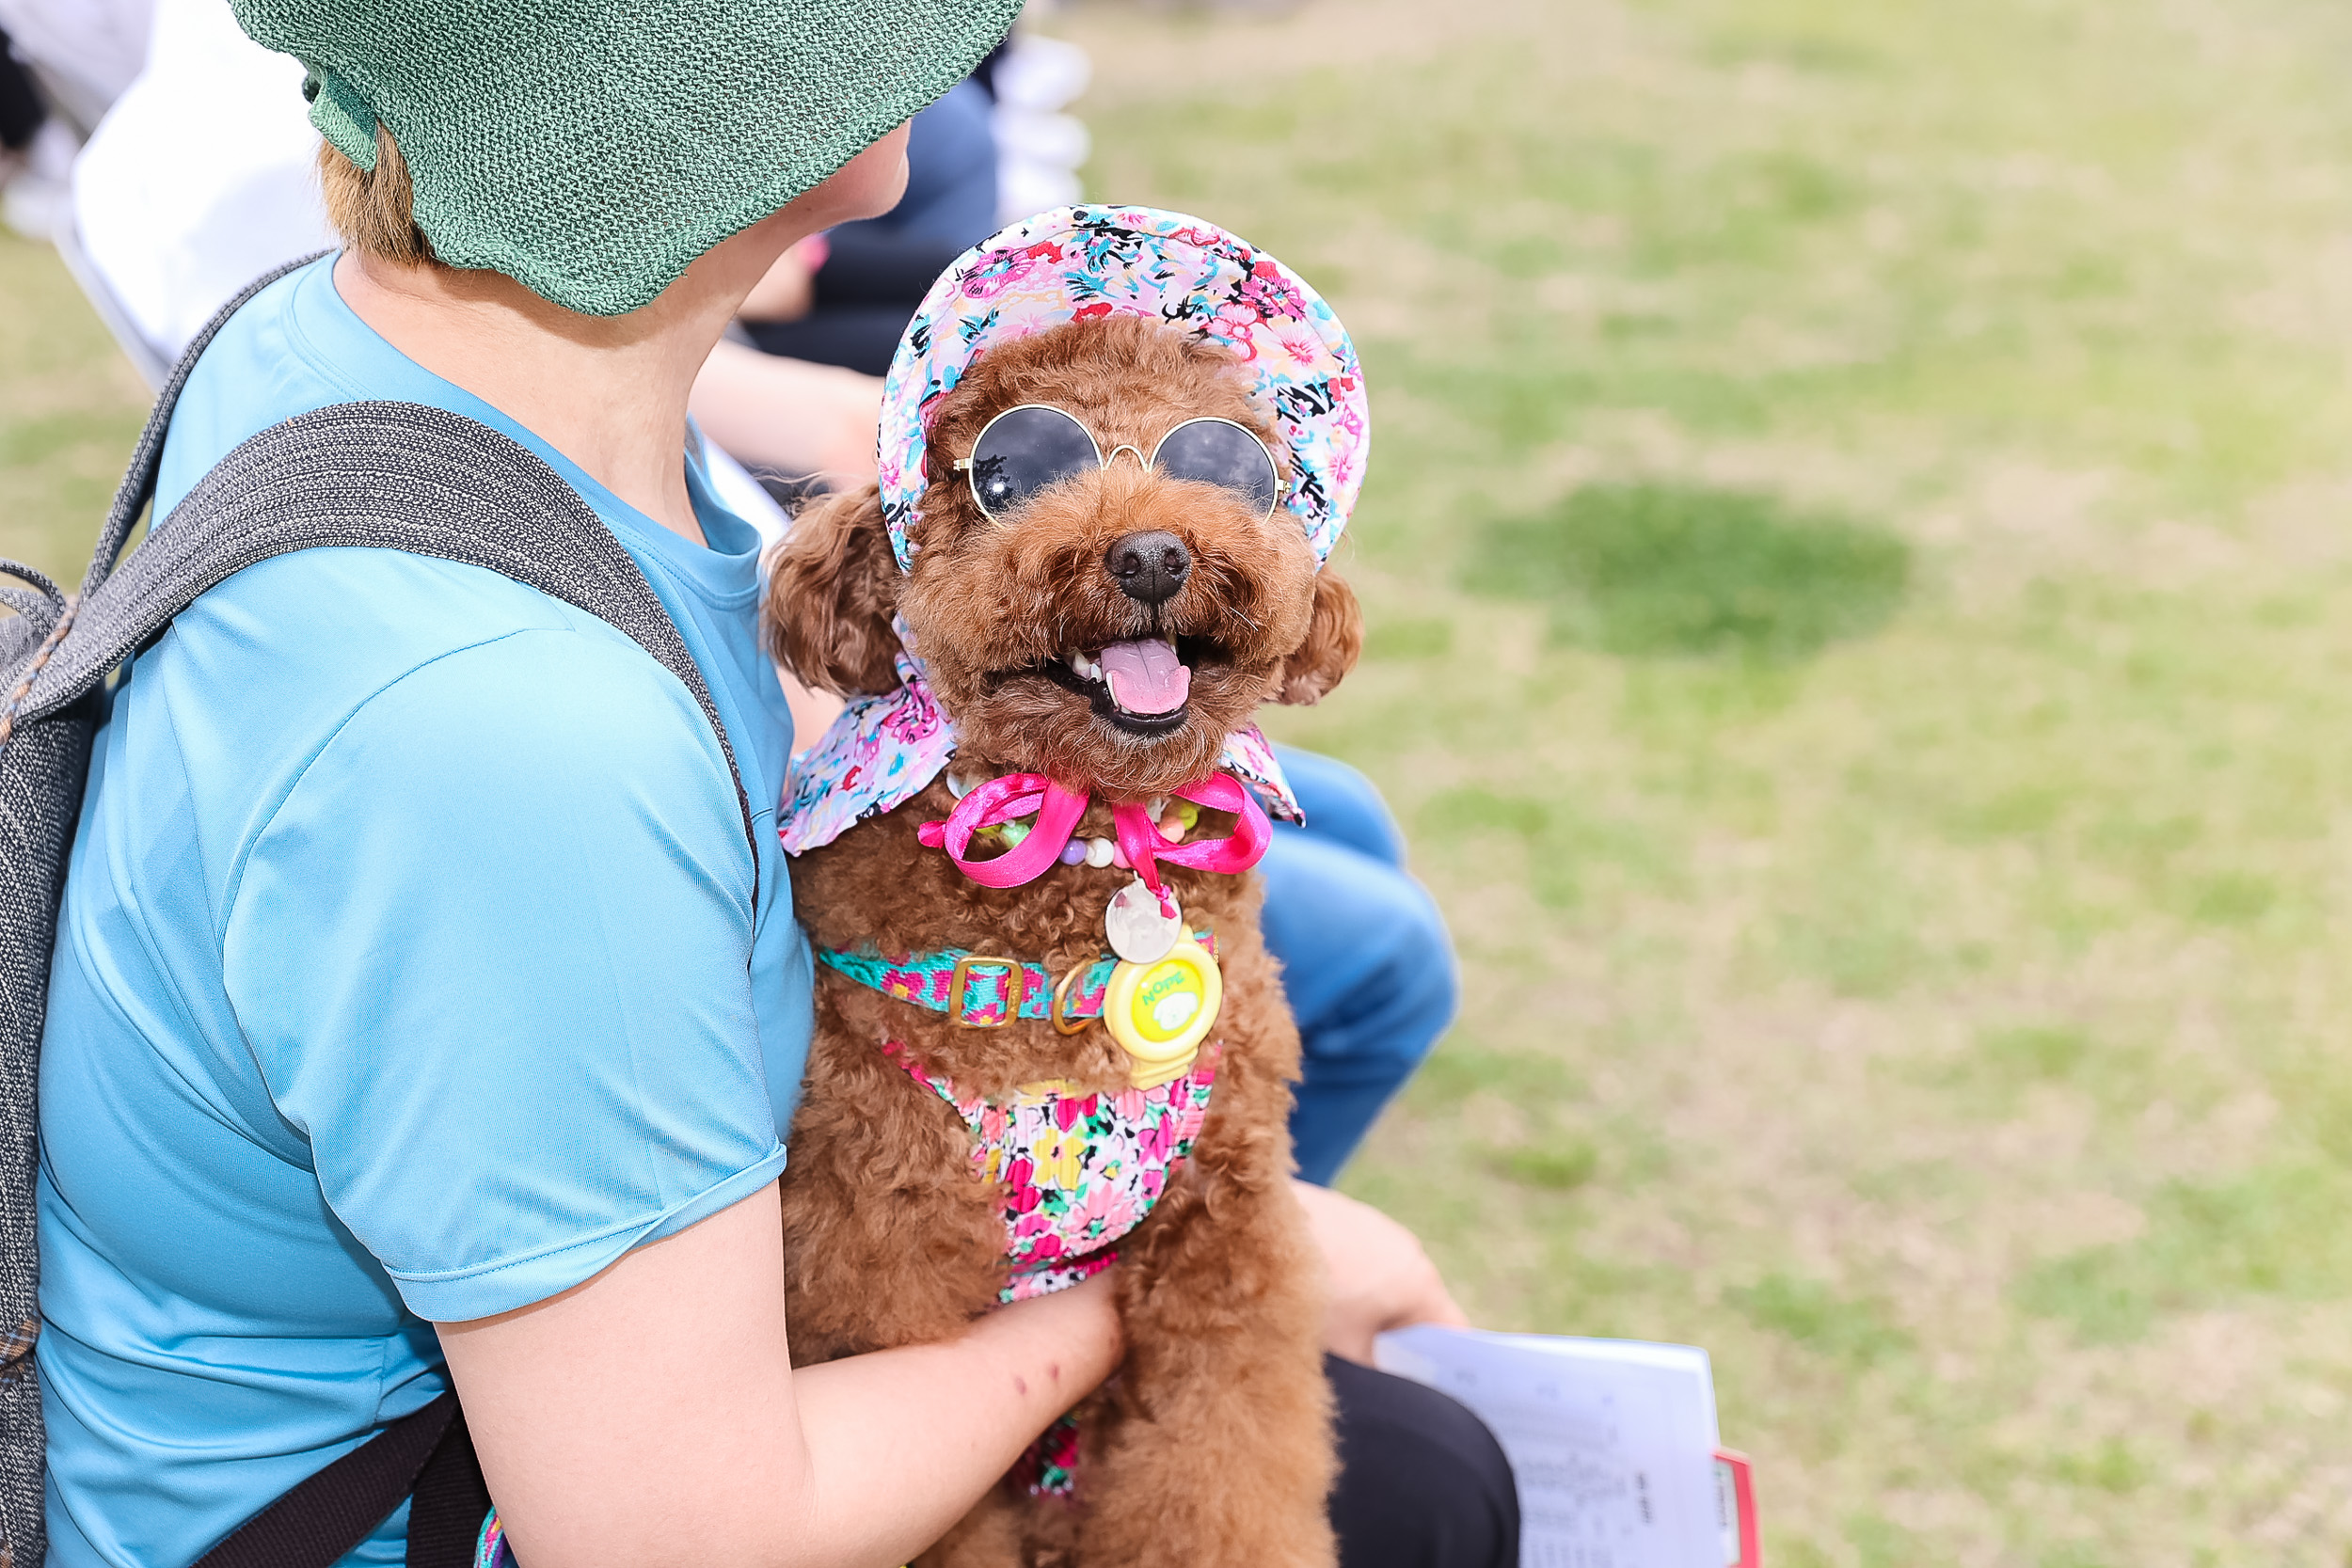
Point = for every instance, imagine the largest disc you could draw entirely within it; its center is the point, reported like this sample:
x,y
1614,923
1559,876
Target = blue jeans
x,y
1366,961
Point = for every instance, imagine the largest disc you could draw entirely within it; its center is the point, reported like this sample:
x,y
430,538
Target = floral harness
x,y
1078,1170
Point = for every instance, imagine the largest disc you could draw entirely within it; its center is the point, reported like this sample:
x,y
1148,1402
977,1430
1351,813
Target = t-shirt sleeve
x,y
492,956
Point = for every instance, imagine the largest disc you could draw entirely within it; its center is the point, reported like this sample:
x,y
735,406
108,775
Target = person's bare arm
x,y
788,414
1376,1273
813,712
788,289
652,1416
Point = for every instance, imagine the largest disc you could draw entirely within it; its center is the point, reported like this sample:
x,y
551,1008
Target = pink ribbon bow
x,y
1016,795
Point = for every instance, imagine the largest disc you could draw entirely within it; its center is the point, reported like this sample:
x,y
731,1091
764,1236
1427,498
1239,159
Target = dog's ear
x,y
832,592
1334,638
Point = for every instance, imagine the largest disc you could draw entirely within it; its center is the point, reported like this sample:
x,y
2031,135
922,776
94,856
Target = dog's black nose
x,y
1149,567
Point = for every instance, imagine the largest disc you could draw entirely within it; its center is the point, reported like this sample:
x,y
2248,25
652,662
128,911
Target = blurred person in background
x,y
21,112
75,57
844,298
83,53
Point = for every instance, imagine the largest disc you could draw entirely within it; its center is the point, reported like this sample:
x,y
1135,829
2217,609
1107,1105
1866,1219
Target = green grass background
x,y
70,409
1858,565
1859,560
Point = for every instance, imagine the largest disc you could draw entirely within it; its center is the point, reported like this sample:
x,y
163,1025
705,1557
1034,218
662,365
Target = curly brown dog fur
x,y
1213,1444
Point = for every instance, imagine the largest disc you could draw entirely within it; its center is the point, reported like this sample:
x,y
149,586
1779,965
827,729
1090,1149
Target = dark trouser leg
x,y
1423,1482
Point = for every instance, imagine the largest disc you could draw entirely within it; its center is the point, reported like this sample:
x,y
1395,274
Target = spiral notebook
x,y
1614,1443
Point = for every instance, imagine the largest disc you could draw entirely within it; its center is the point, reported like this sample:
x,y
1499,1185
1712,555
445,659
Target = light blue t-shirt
x,y
411,968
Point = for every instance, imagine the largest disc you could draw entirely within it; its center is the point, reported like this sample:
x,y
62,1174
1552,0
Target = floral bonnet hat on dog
x,y
1077,264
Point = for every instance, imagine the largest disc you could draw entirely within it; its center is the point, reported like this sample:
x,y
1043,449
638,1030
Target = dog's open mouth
x,y
1140,685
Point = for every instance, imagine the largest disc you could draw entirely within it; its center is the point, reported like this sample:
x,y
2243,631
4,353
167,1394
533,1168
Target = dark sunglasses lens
x,y
1226,455
1025,451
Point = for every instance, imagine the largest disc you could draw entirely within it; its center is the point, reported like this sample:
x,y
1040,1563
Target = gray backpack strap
x,y
41,768
394,476
138,478
397,476
45,616
385,475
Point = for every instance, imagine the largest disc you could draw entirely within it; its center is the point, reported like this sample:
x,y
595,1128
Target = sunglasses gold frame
x,y
963,464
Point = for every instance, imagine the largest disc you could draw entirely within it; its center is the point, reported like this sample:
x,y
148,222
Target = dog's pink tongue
x,y
1145,675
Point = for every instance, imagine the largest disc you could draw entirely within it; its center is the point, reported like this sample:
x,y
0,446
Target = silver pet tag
x,y
1138,932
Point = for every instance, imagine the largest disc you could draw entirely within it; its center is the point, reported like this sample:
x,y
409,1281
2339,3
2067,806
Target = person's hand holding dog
x,y
788,414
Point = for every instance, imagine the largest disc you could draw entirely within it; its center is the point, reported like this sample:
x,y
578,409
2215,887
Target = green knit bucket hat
x,y
592,148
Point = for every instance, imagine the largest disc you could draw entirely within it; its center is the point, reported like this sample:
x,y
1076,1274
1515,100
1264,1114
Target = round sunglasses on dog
x,y
1033,445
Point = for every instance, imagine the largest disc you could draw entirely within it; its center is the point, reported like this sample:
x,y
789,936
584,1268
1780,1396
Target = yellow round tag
x,y
1160,1012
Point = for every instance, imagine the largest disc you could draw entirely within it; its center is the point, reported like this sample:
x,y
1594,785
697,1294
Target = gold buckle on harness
x,y
1057,1013
1016,989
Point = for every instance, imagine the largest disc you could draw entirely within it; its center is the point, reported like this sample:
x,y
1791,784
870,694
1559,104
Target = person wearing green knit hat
x,y
422,1015
591,152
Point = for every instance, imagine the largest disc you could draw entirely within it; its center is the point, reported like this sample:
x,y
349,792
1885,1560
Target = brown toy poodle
x,y
1013,1084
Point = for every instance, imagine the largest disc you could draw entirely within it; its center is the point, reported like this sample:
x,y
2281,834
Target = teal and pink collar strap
x,y
983,990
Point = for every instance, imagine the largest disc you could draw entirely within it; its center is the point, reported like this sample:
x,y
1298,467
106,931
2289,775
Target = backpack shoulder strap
x,y
42,766
387,475
45,616
426,1456
138,478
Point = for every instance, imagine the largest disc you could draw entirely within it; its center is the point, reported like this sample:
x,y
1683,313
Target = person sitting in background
x,y
845,302
21,112
817,335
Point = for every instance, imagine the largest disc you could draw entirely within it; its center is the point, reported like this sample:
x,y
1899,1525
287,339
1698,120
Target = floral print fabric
x,y
881,752
1080,262
489,1547
1078,1169
1050,1468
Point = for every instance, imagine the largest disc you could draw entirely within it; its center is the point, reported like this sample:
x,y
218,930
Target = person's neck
x,y
608,392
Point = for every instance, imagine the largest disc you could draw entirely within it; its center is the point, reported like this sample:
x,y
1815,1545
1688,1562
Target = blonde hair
x,y
373,209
